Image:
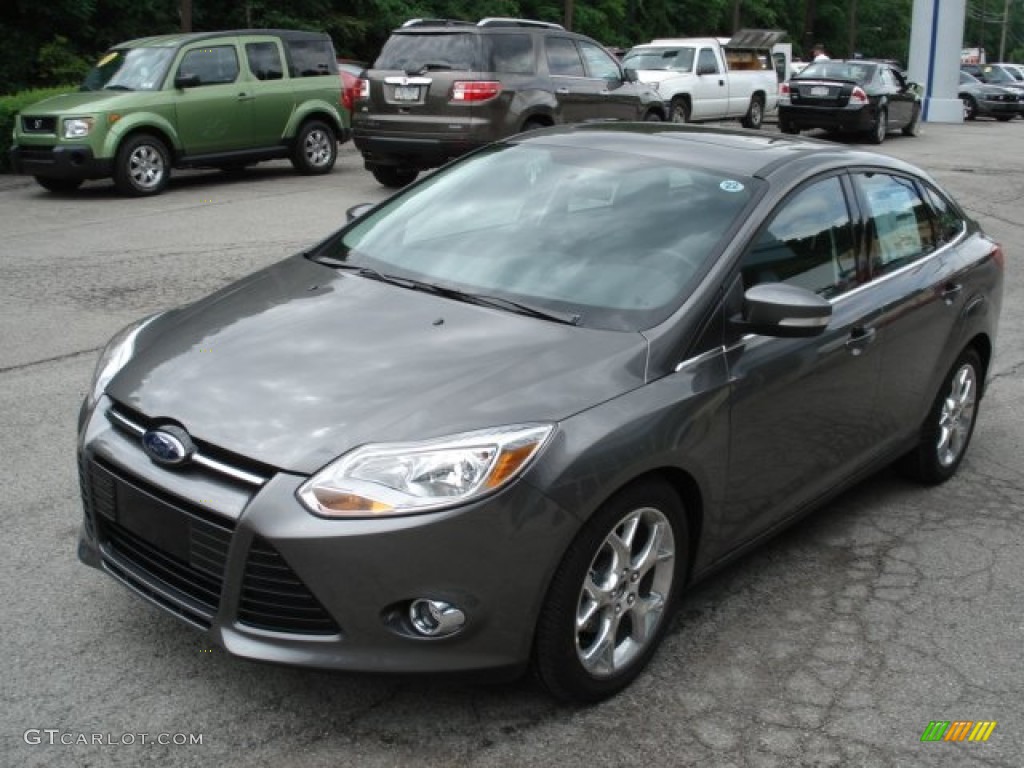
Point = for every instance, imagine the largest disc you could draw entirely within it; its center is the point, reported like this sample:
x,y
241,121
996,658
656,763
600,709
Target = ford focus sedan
x,y
503,419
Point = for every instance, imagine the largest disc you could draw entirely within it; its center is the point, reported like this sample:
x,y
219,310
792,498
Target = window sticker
x,y
731,186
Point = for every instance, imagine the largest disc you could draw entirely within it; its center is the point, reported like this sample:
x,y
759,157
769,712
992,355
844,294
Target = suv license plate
x,y
819,90
407,93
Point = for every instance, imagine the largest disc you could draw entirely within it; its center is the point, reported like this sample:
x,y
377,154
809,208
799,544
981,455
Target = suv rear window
x,y
418,52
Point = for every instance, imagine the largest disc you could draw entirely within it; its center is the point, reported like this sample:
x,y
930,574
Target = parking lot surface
x,y
836,644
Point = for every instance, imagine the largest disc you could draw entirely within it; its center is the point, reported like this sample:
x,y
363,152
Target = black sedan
x,y
506,417
869,97
984,100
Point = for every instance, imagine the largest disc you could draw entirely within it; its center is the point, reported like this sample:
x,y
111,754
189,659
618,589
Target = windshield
x,y
997,75
132,69
670,59
615,239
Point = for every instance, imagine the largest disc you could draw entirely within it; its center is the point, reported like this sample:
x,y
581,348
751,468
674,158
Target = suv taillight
x,y
363,88
858,96
475,90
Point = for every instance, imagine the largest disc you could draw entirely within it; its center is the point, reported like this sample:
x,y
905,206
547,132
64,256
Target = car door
x,y
900,99
916,271
615,98
802,409
214,109
711,89
576,93
271,94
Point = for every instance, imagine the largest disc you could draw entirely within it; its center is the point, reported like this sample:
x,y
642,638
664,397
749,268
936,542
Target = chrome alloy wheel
x,y
957,415
317,147
626,592
146,166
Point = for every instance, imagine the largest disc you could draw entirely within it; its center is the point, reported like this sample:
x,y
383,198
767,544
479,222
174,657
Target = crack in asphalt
x,y
45,360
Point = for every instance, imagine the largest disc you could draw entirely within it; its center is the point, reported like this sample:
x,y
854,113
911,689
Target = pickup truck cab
x,y
213,99
700,79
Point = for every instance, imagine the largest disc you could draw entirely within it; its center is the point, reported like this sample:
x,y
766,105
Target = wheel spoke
x,y
645,614
599,656
654,552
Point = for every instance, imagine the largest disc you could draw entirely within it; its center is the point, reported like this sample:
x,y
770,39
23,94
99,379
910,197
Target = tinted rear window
x,y
311,58
419,52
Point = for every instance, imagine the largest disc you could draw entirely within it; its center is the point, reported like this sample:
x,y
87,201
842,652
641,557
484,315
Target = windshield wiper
x,y
497,302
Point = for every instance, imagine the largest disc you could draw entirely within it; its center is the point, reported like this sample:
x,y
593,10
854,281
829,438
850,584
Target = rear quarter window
x,y
311,58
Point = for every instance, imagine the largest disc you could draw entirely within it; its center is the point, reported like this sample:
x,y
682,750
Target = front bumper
x,y
62,161
988,107
269,581
857,117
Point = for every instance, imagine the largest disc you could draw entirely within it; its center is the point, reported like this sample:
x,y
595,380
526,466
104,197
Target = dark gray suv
x,y
441,88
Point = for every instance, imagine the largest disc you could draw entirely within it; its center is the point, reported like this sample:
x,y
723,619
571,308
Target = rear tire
x,y
315,149
610,599
755,114
392,176
880,128
60,186
947,430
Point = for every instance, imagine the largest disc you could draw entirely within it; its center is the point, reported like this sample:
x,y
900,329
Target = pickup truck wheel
x,y
316,148
680,111
881,127
755,114
142,166
58,185
392,176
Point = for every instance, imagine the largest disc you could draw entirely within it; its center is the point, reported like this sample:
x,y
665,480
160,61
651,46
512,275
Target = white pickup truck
x,y
700,79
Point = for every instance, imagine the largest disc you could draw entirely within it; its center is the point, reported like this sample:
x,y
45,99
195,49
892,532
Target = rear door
x,y
616,100
576,93
271,93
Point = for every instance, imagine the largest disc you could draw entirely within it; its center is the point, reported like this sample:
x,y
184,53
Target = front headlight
x,y
404,478
113,358
78,127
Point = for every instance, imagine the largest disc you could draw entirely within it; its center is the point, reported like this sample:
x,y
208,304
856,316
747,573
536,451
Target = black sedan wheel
x,y
947,430
610,598
880,128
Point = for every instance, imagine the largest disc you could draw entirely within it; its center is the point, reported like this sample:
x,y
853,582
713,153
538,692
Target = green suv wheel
x,y
316,148
142,166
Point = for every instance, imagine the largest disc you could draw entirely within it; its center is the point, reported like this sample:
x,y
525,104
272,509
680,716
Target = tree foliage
x,y
47,42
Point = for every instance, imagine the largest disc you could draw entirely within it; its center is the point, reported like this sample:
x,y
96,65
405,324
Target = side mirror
x,y
629,75
778,309
356,211
186,81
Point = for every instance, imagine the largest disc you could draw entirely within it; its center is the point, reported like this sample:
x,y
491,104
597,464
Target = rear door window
x,y
563,58
264,61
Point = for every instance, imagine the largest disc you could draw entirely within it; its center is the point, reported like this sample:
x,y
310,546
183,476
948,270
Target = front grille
x,y
273,597
37,154
30,124
169,550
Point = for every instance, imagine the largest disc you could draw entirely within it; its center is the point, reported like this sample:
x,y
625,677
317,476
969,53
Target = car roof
x,y
183,38
736,151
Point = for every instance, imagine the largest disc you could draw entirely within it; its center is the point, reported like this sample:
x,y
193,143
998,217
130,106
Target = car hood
x,y
300,363
78,101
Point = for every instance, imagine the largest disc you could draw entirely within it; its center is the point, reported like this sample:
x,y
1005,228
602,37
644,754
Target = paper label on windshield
x,y
731,186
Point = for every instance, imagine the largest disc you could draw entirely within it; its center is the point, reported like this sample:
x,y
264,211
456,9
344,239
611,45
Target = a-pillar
x,y
936,39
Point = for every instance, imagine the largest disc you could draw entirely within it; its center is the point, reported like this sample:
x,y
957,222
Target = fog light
x,y
435,618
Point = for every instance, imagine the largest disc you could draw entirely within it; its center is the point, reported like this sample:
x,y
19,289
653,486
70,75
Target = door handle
x,y
561,90
860,338
243,96
950,291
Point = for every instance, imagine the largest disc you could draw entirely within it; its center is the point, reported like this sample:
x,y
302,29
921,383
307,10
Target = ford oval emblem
x,y
170,446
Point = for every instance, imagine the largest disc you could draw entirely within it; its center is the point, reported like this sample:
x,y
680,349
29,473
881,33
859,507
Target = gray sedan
x,y
504,418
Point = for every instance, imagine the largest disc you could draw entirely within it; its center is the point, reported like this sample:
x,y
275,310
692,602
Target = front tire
x,y
392,176
680,111
316,148
60,186
142,166
947,429
610,599
755,114
970,108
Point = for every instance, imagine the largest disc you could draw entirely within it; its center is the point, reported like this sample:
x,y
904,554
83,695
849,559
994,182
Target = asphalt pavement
x,y
836,644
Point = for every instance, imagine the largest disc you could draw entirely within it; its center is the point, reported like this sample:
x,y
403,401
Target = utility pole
x,y
852,30
567,23
1002,37
185,10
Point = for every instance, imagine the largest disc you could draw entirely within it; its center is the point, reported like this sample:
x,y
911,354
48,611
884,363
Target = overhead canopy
x,y
755,38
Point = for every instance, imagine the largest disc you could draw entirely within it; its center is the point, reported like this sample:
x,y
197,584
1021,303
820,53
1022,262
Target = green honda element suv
x,y
213,99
